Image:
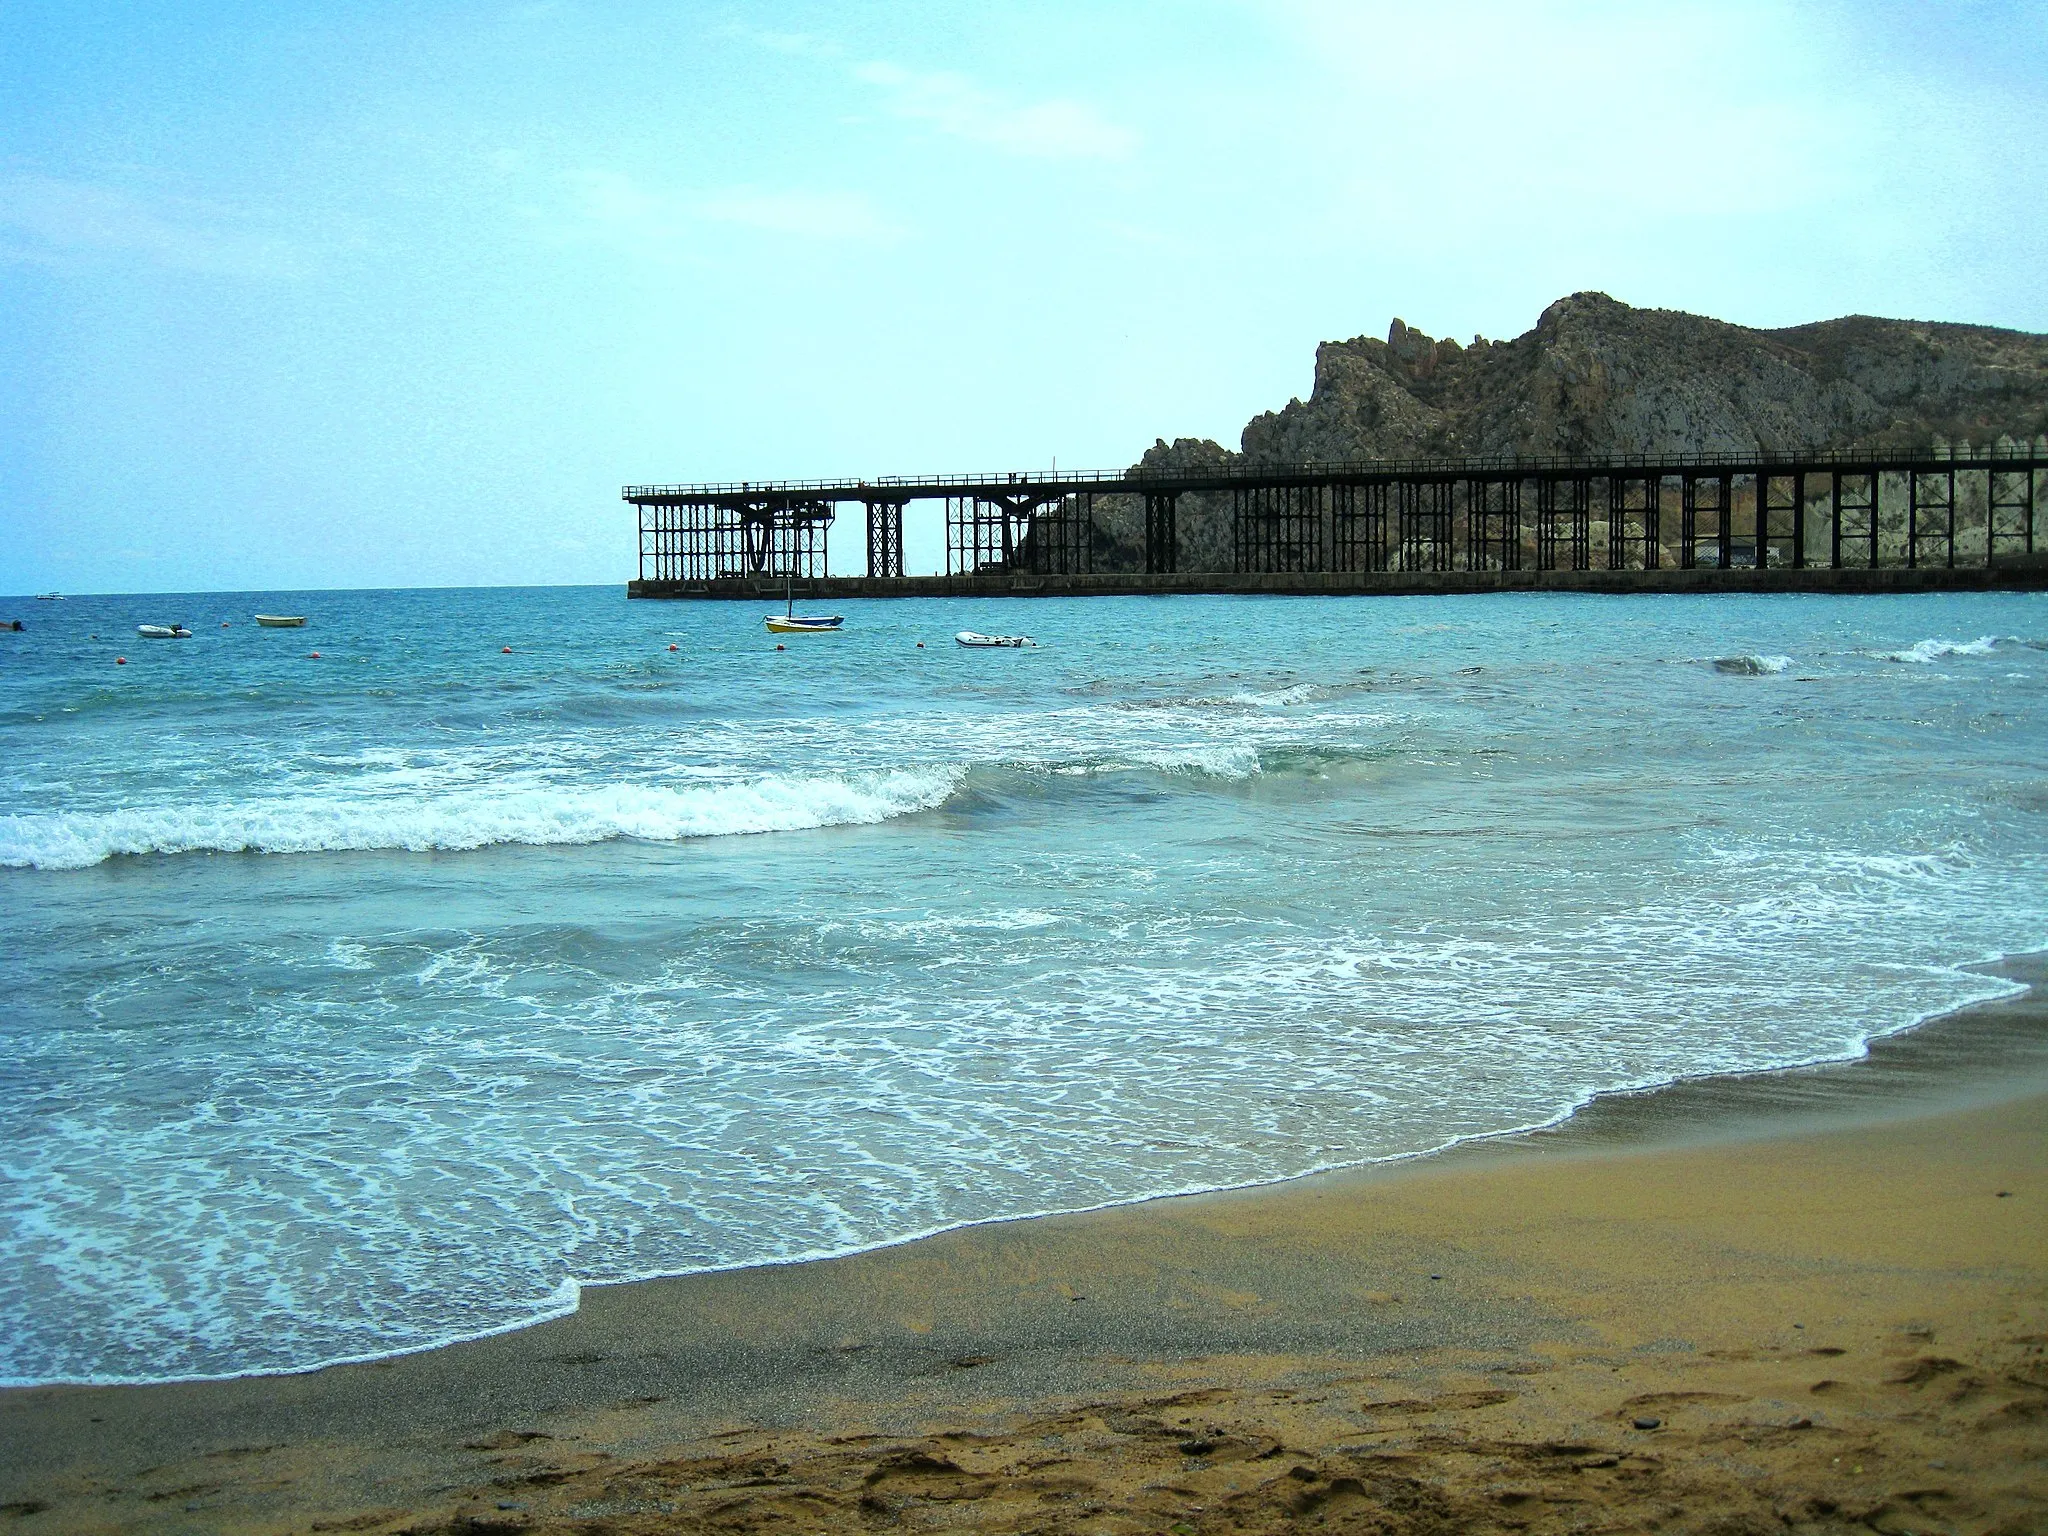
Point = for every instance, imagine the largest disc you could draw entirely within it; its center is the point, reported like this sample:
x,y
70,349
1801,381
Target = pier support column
x,y
1493,525
1931,514
885,538
1358,526
1563,515
1635,508
1277,527
1162,536
1426,521
2009,507
1780,521
1853,502
1709,493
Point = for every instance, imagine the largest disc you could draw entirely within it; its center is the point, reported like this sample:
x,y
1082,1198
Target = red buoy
x,y
313,655
671,647
507,651
781,647
120,661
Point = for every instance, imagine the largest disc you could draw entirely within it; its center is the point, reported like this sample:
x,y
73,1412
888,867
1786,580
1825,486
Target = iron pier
x,y
1834,521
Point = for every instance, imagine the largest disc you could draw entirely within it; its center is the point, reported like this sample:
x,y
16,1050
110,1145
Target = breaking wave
x,y
460,819
474,818
1933,650
1752,666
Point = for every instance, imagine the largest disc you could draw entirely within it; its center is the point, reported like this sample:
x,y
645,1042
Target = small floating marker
x,y
505,651
312,655
671,647
120,661
781,647
920,645
223,623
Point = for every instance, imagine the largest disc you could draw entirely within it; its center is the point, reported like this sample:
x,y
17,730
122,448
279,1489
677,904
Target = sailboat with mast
x,y
790,622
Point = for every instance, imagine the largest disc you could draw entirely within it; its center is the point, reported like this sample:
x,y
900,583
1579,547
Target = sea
x,y
381,983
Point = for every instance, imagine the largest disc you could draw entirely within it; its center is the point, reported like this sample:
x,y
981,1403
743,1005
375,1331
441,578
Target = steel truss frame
x,y
1573,510
1162,532
1425,520
1719,506
706,540
1358,526
1847,500
1061,541
1493,524
1771,532
1276,528
2016,527
1931,513
1635,509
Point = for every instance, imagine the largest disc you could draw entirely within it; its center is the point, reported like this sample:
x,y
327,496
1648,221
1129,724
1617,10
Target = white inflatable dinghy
x,y
1011,642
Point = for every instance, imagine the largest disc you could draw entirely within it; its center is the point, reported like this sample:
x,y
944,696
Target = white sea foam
x,y
1933,650
474,819
1751,665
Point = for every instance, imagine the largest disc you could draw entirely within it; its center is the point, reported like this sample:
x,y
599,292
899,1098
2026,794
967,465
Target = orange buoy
x,y
120,661
671,647
312,655
506,651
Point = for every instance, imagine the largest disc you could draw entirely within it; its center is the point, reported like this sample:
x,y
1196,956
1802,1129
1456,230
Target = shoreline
x,y
1396,1269
2022,973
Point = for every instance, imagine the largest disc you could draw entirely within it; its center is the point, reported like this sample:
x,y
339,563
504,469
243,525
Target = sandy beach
x,y
1813,1300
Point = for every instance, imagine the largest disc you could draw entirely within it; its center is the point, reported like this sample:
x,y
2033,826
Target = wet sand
x,y
1812,1300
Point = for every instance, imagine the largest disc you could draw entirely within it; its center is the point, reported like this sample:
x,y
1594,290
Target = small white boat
x,y
1010,642
281,620
163,632
49,597
790,622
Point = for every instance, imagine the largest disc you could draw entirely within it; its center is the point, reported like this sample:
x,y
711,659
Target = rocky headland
x,y
1596,376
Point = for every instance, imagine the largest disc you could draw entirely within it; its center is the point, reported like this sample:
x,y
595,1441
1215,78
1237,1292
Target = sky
x,y
342,294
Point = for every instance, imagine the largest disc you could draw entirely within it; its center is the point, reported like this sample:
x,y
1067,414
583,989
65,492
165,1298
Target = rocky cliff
x,y
1596,376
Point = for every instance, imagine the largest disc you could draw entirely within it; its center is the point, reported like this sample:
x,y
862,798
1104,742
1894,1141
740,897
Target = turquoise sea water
x,y
356,1004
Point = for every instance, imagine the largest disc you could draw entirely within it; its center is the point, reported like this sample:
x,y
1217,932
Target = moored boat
x,y
1004,642
798,623
281,620
163,632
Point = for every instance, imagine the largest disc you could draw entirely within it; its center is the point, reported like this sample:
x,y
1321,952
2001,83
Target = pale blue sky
x,y
380,294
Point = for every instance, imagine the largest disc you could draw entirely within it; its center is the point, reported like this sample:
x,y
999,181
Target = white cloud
x,y
52,220
622,209
1058,129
